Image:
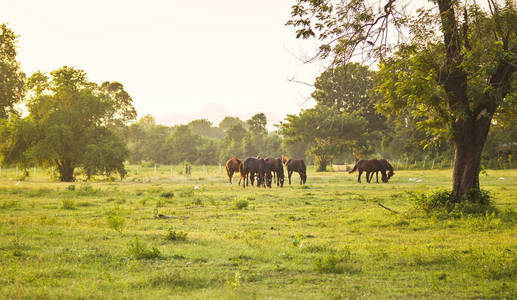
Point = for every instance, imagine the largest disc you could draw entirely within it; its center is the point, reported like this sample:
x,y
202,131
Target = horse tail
x,y
353,170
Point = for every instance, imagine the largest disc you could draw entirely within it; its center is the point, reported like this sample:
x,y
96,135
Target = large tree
x,y
467,61
328,133
67,126
349,89
11,76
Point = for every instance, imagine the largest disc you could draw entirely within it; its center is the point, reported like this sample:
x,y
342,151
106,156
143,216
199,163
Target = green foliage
x,y
440,201
115,219
240,204
167,195
17,246
139,250
336,262
334,133
68,204
12,78
173,235
67,125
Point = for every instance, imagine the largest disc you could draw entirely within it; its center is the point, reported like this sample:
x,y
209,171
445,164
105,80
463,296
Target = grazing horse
x,y
370,166
232,166
295,165
276,167
386,166
251,166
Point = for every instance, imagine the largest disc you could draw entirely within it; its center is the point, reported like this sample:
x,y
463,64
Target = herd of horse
x,y
267,170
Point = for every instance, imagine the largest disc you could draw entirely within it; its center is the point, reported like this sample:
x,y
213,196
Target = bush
x,y
336,262
440,201
115,220
173,235
68,204
240,204
167,195
139,250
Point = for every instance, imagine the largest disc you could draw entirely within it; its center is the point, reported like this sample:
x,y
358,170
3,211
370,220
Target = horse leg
x,y
376,176
301,177
231,176
359,177
289,173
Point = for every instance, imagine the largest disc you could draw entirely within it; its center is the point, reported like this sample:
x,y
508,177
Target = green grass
x,y
328,239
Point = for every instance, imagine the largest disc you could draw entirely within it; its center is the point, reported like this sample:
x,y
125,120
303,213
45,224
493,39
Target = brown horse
x,y
276,167
386,166
295,165
232,166
370,166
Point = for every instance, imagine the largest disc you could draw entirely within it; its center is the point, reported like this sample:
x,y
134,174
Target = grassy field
x,y
327,239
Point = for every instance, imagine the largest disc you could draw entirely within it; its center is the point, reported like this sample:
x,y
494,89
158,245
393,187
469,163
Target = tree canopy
x,y
67,126
11,77
456,64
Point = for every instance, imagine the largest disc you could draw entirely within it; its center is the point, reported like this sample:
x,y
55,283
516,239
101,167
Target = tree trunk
x,y
469,141
322,165
66,170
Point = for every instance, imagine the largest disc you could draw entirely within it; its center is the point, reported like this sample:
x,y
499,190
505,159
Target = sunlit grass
x,y
196,236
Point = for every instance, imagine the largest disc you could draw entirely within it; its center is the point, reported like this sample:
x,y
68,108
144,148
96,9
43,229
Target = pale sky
x,y
173,57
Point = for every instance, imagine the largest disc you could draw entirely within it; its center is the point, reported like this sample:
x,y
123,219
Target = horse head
x,y
284,159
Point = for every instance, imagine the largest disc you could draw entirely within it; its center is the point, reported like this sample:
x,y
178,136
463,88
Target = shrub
x,y
336,262
167,195
17,246
68,204
139,250
440,201
173,235
115,220
240,204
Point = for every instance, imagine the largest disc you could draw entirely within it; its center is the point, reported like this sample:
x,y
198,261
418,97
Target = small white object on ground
x,y
17,183
412,179
419,180
501,178
196,187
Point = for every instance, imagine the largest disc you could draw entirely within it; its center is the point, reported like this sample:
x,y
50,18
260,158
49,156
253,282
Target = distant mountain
x,y
215,113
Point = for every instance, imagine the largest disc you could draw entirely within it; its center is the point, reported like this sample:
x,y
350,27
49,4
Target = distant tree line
x,y
71,124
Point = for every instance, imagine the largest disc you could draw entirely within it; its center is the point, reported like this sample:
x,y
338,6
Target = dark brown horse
x,y
276,167
384,166
232,166
369,166
295,165
251,166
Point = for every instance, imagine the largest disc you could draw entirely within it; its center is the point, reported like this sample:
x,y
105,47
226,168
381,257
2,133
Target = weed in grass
x,y
138,250
197,201
17,246
68,204
240,204
160,203
336,262
296,240
142,201
186,193
71,187
234,281
167,195
173,235
115,220
8,204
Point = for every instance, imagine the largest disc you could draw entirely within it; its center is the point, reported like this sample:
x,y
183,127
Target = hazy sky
x,y
171,56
